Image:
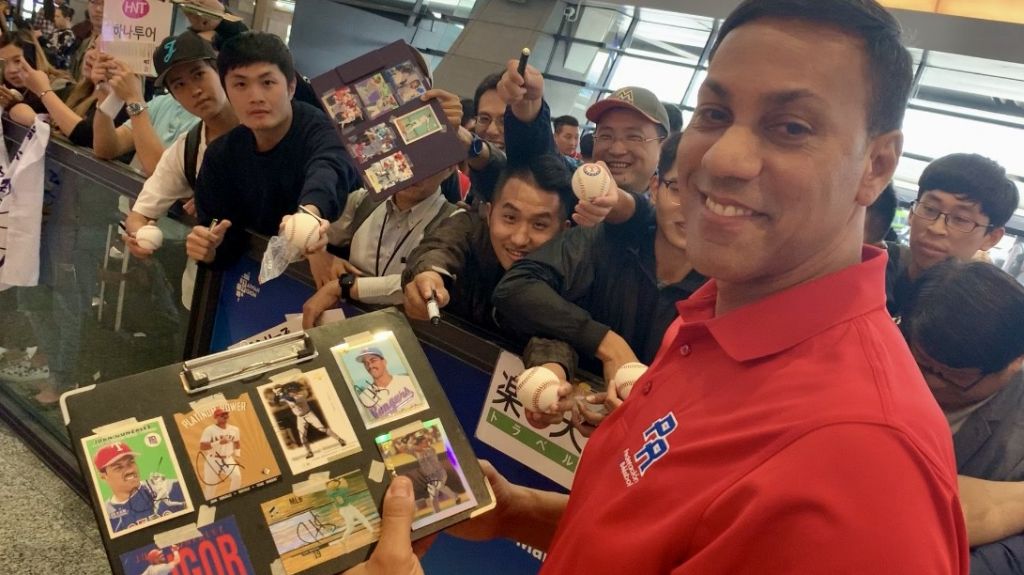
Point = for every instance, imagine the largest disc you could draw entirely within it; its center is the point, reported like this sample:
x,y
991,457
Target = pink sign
x,y
135,8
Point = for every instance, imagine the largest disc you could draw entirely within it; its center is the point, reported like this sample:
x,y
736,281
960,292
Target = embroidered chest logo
x,y
635,465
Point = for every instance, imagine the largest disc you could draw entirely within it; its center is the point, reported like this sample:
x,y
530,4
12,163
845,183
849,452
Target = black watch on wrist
x,y
476,147
346,281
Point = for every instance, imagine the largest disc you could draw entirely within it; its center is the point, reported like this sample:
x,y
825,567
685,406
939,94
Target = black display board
x,y
314,508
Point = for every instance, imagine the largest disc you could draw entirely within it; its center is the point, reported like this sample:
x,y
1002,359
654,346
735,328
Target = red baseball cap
x,y
110,453
154,556
220,411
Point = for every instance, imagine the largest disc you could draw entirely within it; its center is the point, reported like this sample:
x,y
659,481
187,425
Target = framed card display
x,y
288,460
395,138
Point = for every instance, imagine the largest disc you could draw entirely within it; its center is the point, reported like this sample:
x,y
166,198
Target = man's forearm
x,y
104,137
148,145
134,221
993,510
534,519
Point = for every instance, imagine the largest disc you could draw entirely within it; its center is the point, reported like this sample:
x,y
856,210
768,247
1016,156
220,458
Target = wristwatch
x,y
136,108
346,281
476,147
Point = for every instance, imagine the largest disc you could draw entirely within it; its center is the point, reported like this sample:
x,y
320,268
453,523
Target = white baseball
x,y
537,388
592,181
302,230
149,237
626,376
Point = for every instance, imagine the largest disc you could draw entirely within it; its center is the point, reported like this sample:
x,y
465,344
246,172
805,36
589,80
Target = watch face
x,y
477,147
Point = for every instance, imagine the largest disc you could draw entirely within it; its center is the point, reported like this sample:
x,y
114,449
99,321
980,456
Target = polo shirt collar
x,y
782,320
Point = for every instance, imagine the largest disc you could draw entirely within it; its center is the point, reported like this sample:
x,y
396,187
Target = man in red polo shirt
x,y
783,426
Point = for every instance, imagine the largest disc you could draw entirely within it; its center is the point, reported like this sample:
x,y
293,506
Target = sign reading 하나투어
x,y
132,29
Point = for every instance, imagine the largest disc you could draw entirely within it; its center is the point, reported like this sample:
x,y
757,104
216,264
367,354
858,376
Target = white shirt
x,y
168,183
221,440
383,242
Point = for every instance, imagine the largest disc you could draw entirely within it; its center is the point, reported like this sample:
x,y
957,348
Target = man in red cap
x,y
159,564
131,501
221,445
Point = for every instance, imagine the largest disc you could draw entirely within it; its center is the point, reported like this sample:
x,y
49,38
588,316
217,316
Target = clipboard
x,y
345,483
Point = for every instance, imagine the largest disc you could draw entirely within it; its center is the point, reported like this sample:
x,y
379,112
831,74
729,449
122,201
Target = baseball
x,y
591,181
302,230
537,388
626,376
149,237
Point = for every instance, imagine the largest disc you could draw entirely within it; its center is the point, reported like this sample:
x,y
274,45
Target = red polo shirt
x,y
792,435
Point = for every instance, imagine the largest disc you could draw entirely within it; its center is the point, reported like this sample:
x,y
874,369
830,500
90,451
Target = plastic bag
x,y
279,255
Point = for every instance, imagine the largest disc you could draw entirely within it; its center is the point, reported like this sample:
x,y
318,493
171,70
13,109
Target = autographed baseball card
x,y
227,447
379,378
308,420
136,476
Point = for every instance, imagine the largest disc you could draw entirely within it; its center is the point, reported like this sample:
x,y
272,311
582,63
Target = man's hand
x,y
450,103
202,242
491,525
523,93
322,265
133,246
556,414
35,80
589,412
589,214
324,299
614,352
419,289
393,554
189,207
325,225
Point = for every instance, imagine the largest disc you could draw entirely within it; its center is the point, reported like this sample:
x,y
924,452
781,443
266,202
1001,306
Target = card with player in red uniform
x,y
136,476
227,446
219,550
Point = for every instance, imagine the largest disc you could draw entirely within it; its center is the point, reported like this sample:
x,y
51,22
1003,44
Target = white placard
x,y
133,28
554,452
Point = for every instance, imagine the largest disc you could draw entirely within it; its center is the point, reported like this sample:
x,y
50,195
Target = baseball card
x,y
389,172
376,96
227,447
136,476
407,80
219,550
373,142
418,124
329,522
308,420
421,451
343,106
378,377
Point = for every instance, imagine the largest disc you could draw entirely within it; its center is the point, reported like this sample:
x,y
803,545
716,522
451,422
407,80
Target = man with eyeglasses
x,y
608,292
963,202
963,327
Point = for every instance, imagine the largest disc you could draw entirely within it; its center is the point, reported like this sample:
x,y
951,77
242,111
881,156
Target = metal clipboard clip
x,y
248,362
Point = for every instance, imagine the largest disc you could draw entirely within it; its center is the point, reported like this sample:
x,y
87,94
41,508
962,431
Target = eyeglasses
x,y
607,139
954,222
922,363
484,121
672,190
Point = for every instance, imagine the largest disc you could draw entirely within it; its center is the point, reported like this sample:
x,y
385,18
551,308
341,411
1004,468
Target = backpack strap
x,y
192,154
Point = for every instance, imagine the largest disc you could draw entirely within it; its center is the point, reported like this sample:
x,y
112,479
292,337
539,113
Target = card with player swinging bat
x,y
308,420
422,452
227,447
218,548
322,521
136,476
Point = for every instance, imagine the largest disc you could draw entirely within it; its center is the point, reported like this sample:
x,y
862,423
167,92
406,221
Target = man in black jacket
x,y
609,291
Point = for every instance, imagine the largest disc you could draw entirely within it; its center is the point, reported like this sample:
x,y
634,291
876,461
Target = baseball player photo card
x,y
407,80
322,522
308,420
227,447
421,451
219,550
136,476
378,377
418,124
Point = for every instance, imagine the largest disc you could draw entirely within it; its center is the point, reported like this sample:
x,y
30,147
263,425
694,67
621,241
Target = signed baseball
x,y
302,230
537,388
626,376
592,181
149,237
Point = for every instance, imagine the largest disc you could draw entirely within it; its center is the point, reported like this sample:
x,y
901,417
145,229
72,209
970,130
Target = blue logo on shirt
x,y
634,466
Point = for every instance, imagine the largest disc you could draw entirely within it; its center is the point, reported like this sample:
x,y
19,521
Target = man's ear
x,y
992,238
488,206
291,87
883,154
